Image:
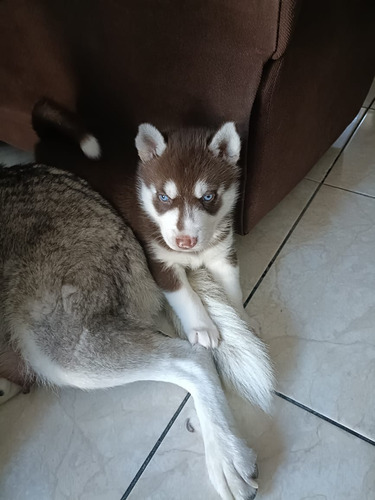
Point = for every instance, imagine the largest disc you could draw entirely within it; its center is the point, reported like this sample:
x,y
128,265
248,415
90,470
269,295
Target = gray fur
x,y
78,307
68,263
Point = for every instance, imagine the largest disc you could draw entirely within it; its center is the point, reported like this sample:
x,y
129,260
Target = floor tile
x,y
12,156
320,169
299,455
257,248
370,95
316,307
80,445
355,169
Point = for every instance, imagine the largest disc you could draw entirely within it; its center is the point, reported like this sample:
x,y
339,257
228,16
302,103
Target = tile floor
x,y
316,305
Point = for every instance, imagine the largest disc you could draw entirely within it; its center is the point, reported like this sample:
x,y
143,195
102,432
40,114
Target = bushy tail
x,y
241,358
49,117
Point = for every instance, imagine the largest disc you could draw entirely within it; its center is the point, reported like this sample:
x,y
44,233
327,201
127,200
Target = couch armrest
x,y
307,97
171,62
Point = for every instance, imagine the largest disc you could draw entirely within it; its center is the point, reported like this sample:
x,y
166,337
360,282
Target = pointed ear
x,y
226,143
149,142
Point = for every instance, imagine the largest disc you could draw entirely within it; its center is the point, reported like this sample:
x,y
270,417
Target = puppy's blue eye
x,y
208,197
164,198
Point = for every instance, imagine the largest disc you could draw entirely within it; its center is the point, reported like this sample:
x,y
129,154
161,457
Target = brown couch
x,y
291,73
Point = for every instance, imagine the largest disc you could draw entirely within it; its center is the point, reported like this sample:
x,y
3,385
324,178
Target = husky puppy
x,y
187,188
180,207
78,301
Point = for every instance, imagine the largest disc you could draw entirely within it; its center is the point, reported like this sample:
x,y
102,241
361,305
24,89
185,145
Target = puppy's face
x,y
188,184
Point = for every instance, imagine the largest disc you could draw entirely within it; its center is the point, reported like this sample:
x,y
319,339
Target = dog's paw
x,y
233,471
8,390
205,335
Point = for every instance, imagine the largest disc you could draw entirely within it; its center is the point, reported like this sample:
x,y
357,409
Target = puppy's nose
x,y
186,242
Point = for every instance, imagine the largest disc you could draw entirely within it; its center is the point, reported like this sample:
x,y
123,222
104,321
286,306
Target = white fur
x,y
166,221
230,462
197,222
43,366
241,357
170,189
149,142
192,260
227,142
195,321
200,189
229,198
193,220
205,228
229,277
146,195
90,146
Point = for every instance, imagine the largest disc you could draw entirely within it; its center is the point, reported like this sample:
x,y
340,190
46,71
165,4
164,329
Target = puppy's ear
x,y
226,143
149,142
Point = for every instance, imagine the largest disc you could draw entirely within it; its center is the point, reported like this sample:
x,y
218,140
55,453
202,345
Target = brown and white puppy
x,y
187,188
180,207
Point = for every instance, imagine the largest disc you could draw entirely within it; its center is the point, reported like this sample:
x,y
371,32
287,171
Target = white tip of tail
x,y
241,358
90,146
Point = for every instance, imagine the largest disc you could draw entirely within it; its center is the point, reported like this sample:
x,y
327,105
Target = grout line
x,y
365,110
325,418
155,448
283,243
344,146
351,191
291,230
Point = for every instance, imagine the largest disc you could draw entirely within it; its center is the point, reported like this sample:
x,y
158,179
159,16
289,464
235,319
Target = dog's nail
x,y
253,484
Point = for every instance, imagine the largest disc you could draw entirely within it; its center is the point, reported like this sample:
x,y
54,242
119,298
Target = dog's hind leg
x,y
100,361
230,463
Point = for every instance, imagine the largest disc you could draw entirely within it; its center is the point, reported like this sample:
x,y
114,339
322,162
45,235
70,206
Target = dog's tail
x,y
48,117
241,358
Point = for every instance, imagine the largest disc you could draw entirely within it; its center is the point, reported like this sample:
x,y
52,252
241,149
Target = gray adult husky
x,y
78,307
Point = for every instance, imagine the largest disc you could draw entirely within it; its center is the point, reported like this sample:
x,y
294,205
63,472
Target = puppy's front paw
x,y
205,334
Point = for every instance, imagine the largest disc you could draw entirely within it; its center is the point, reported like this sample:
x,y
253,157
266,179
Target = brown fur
x,y
185,160
49,117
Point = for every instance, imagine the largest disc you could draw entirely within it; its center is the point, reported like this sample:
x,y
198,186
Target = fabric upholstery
x,y
281,69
